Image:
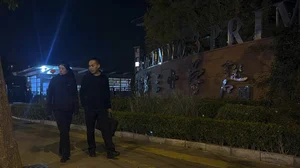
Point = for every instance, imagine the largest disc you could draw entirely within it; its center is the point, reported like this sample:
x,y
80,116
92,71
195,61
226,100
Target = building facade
x,y
37,80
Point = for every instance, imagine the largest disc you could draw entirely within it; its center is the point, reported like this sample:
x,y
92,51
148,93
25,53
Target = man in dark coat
x,y
95,98
62,100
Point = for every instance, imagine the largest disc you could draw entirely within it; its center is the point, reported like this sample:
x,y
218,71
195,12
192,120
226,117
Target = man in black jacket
x,y
95,98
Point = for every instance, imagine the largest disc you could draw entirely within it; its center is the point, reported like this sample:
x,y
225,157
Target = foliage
x,y
284,81
230,133
121,103
35,111
168,21
177,104
12,4
259,136
225,109
245,113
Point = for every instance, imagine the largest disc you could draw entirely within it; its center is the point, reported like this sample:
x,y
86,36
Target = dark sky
x,y
91,28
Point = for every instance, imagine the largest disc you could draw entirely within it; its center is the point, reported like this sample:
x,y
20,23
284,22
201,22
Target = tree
x,y
284,81
12,4
9,152
171,20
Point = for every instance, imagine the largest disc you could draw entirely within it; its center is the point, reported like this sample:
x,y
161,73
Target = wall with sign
x,y
232,71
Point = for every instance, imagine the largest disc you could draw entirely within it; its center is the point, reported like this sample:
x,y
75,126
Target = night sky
x,y
90,28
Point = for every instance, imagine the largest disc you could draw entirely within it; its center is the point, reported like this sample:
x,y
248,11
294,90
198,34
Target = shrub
x,y
121,103
259,136
208,108
32,111
176,104
284,87
244,113
245,102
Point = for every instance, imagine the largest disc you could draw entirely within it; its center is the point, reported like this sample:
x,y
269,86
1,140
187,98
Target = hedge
x,y
239,112
223,109
259,136
177,105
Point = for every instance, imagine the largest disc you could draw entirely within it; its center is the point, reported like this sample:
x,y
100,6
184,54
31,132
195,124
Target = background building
x,y
32,83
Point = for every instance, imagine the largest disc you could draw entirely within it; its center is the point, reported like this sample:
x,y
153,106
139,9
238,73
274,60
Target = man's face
x,y
94,66
62,70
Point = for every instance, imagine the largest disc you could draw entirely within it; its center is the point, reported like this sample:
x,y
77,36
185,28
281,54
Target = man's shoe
x,y
92,154
64,159
112,154
116,153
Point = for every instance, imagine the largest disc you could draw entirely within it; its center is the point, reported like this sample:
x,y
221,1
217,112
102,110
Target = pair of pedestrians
x,y
62,101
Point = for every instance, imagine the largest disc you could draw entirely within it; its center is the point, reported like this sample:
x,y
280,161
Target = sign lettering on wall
x,y
147,82
157,83
283,12
232,71
214,34
140,85
258,25
244,92
195,74
172,79
234,33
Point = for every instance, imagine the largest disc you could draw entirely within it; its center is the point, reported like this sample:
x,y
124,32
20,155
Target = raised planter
x,y
246,153
277,158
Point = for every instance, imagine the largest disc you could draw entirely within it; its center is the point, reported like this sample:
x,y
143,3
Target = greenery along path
x,y
244,129
39,143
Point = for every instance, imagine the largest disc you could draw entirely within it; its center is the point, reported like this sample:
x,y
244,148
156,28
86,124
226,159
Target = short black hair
x,y
95,59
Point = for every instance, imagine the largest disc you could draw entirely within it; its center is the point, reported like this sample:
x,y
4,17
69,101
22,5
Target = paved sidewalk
x,y
39,144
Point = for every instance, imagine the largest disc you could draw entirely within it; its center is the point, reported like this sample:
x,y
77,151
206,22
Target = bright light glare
x,y
137,64
43,68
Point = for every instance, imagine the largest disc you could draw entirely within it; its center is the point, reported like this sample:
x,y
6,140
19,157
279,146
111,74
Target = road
x,y
39,144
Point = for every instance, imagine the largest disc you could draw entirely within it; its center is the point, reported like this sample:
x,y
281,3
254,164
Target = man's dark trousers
x,y
63,120
101,116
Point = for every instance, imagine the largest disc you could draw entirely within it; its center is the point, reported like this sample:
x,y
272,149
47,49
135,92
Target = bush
x,y
245,113
34,111
177,104
121,103
245,102
284,87
208,108
259,136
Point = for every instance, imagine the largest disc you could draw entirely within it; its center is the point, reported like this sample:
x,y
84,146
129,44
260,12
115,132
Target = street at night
x,y
149,84
39,144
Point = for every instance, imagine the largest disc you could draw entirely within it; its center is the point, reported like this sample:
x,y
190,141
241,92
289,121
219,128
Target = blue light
x,y
44,68
57,30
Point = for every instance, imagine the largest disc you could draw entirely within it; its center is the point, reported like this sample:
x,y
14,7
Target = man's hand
x,y
109,110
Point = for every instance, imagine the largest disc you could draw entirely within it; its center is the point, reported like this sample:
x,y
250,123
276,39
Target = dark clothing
x,y
100,116
62,100
112,123
95,98
63,120
62,93
94,92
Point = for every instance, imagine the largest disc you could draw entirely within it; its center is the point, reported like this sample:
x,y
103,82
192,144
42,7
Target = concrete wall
x,y
256,63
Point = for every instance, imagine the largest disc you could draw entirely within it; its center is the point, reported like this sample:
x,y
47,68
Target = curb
x,y
253,155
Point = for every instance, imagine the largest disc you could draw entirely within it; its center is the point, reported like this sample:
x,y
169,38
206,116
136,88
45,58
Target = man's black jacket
x,y
62,93
95,92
